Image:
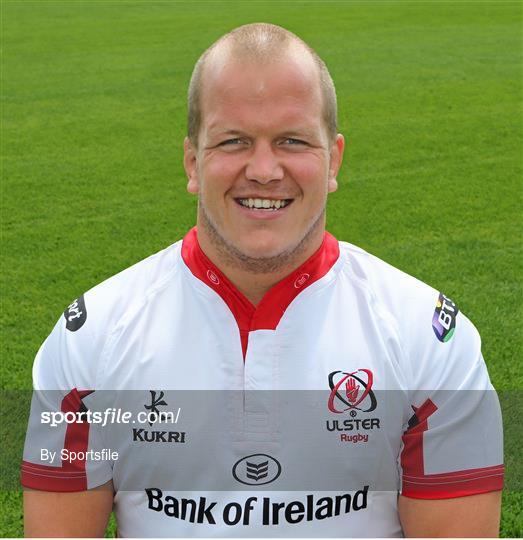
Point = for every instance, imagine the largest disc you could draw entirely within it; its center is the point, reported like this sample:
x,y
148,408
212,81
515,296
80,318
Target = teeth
x,y
266,204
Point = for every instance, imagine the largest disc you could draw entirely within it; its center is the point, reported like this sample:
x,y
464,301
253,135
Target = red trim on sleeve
x,y
48,478
270,310
70,476
418,485
455,484
412,454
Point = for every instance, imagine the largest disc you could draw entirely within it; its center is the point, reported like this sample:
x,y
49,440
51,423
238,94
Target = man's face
x,y
264,163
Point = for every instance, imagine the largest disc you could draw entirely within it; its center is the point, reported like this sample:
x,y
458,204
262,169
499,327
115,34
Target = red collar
x,y
270,310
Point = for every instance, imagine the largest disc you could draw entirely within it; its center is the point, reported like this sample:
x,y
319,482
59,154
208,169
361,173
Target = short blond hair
x,y
260,42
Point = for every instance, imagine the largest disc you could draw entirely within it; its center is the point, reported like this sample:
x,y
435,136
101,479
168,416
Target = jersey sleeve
x,y
453,444
62,448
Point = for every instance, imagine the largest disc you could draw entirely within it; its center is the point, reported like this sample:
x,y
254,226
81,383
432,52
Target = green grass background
x,y
93,118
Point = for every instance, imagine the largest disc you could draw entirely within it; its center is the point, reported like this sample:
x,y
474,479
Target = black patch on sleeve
x,y
75,315
413,421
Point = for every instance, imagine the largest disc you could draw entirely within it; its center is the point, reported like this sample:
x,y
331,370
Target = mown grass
x,y
93,118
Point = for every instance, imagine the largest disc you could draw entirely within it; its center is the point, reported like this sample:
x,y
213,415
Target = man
x,y
258,297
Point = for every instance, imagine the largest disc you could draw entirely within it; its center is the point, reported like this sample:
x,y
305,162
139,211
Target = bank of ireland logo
x,y
351,392
256,470
444,318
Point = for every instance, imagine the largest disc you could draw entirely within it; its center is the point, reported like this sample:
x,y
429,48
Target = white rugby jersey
x,y
304,416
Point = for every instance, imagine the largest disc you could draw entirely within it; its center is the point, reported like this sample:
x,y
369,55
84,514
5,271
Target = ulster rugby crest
x,y
351,391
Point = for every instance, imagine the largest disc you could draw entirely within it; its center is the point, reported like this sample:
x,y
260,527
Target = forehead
x,y
280,89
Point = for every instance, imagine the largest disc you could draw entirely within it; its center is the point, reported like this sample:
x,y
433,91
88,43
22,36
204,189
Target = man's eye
x,y
231,142
292,141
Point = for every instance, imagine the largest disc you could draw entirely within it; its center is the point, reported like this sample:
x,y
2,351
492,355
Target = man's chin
x,y
262,250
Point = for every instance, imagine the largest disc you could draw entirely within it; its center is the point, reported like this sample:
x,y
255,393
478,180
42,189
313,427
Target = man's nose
x,y
263,165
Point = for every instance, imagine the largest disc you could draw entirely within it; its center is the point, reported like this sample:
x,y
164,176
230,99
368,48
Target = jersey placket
x,y
256,420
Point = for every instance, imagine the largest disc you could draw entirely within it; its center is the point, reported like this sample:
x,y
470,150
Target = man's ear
x,y
336,157
189,163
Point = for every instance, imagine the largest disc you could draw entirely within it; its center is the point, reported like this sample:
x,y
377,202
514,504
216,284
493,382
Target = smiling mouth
x,y
264,204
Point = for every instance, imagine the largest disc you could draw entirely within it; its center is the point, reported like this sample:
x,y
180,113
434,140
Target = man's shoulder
x,y
385,282
96,313
72,355
422,318
134,286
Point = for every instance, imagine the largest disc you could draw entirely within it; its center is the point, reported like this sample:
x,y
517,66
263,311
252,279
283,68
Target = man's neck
x,y
254,285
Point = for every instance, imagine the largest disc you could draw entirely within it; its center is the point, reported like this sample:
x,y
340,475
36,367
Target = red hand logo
x,y
352,390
